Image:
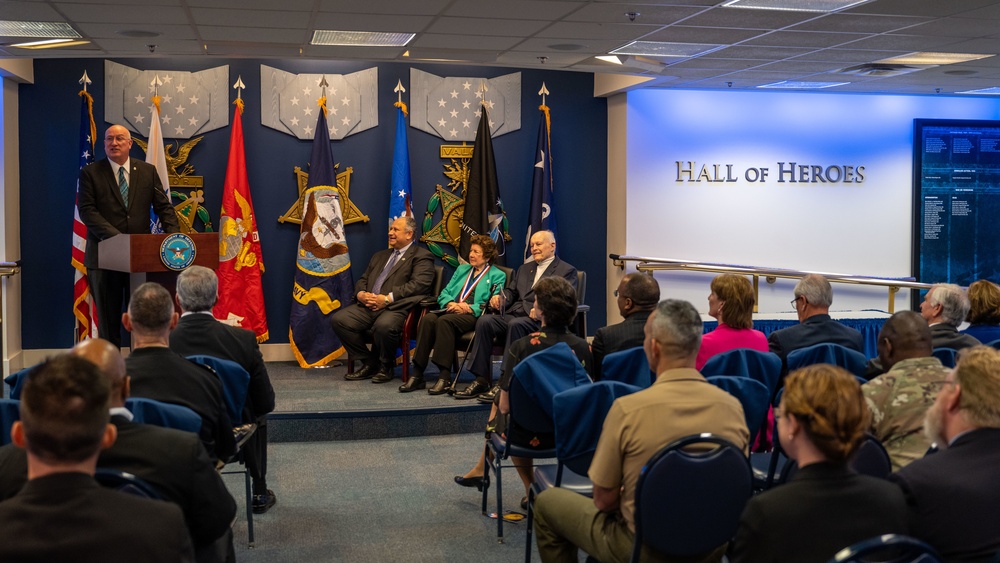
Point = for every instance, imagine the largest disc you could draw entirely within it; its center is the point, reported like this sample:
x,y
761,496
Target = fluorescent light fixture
x,y
929,58
49,44
10,28
613,59
665,49
801,85
994,91
361,38
823,6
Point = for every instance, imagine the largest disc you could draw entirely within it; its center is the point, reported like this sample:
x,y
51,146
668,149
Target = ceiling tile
x,y
388,7
623,32
648,14
857,23
462,26
250,18
369,22
518,9
253,34
814,39
125,14
437,40
95,30
685,34
742,18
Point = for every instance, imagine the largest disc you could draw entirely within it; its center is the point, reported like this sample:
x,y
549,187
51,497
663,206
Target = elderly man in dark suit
x,y
953,496
515,305
115,196
637,296
813,297
62,514
199,332
395,280
945,307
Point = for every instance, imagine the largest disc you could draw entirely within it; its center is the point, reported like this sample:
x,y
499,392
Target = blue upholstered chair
x,y
178,417
125,482
235,384
628,366
762,366
888,548
869,459
947,356
851,360
752,394
16,382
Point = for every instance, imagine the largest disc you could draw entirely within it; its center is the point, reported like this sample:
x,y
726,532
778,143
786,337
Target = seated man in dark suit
x,y
173,462
637,296
516,318
953,496
161,374
62,514
813,297
395,280
198,332
945,307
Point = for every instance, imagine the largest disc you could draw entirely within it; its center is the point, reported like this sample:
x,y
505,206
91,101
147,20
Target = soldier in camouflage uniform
x,y
900,397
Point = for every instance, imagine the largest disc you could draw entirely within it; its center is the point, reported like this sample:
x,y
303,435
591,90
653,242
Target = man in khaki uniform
x,y
679,403
900,397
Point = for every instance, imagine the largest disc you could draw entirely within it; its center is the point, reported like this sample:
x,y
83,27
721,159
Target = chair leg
x,y
246,477
528,530
499,468
487,466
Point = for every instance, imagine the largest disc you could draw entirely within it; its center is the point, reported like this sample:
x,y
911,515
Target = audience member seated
x,y
395,280
161,374
945,307
514,317
173,462
462,302
826,506
637,295
984,311
813,297
899,398
62,514
678,404
555,304
199,333
953,497
731,303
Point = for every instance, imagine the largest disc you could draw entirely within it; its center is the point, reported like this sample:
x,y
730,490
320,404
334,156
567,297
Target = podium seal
x,y
177,251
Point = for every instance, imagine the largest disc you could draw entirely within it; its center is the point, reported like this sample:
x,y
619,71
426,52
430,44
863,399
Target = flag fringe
x,y
401,106
239,104
90,111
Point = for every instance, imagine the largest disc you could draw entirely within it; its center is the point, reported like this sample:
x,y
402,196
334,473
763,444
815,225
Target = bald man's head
x,y
904,335
108,359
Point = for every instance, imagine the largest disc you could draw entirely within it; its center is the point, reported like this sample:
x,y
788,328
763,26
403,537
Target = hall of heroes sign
x,y
784,172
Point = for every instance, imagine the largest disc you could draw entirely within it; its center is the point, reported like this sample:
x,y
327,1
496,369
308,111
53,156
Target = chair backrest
x,y
995,344
578,419
148,411
752,394
688,502
946,355
762,366
125,482
537,379
10,412
509,272
581,287
16,382
888,548
628,366
438,275
235,384
869,459
851,360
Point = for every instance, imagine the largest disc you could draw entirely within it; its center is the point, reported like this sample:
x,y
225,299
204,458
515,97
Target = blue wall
x,y
49,123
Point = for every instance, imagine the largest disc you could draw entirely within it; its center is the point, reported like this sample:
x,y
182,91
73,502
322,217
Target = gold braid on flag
x,y
548,134
156,102
239,104
401,106
322,104
90,111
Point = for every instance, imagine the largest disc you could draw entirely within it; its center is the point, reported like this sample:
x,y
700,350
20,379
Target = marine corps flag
x,y
542,215
83,302
241,294
323,280
483,213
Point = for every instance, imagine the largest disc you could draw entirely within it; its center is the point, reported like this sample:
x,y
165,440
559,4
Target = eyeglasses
x,y
119,138
622,295
795,302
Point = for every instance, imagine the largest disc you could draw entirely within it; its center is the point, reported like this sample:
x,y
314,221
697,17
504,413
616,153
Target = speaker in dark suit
x,y
104,187
395,280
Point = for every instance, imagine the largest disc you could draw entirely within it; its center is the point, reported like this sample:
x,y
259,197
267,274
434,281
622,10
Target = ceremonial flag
x,y
323,282
400,189
483,213
156,157
241,295
541,215
83,302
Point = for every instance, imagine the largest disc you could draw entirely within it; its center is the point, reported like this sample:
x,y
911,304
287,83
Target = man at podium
x,y
115,197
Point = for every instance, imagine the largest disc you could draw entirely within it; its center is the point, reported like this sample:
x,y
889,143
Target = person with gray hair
x,y
198,332
680,403
945,307
813,297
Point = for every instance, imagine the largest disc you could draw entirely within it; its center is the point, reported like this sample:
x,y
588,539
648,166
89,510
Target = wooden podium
x,y
139,255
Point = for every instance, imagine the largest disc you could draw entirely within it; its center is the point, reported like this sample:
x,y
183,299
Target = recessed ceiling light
x,y
823,6
665,49
613,59
37,29
361,38
49,44
994,91
930,58
801,85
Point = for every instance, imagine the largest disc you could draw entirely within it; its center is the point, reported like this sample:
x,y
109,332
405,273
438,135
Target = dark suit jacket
x,y
199,333
163,375
954,498
103,211
817,329
409,280
69,517
173,462
944,335
520,294
825,508
617,337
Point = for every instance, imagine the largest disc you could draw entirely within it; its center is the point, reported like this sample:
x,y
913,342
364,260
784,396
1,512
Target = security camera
x,y
152,48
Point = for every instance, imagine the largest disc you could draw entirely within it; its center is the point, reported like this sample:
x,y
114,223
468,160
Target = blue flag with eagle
x,y
541,214
400,187
323,282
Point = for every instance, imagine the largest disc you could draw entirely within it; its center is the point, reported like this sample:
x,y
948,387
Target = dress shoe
x,y
488,396
524,503
475,389
366,372
412,384
384,375
441,386
477,482
263,503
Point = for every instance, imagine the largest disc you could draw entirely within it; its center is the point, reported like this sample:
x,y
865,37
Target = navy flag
x,y
483,211
541,215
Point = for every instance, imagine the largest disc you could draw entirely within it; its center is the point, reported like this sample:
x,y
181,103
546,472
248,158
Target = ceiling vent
x,y
881,70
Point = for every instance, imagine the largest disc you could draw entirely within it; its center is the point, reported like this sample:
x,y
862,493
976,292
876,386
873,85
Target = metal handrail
x,y
770,274
9,268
